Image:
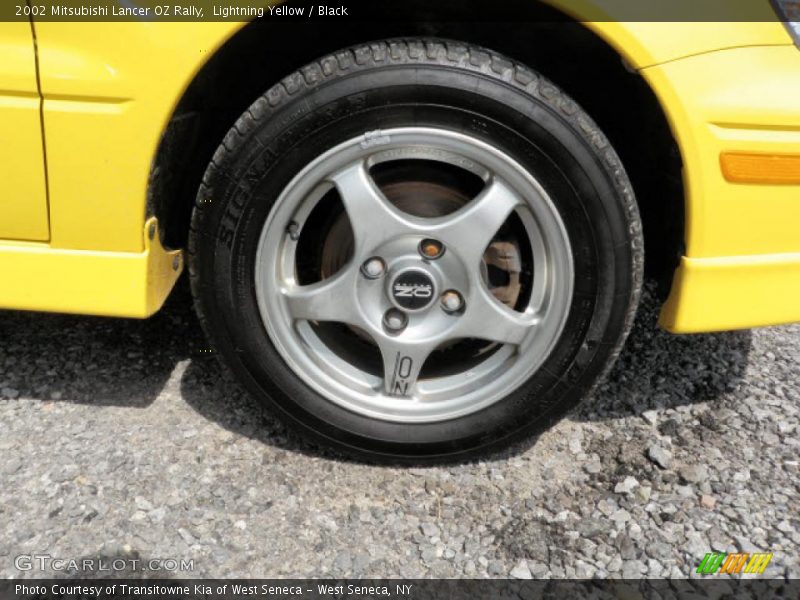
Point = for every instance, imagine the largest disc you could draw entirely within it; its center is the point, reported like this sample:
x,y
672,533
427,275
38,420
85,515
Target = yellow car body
x,y
84,106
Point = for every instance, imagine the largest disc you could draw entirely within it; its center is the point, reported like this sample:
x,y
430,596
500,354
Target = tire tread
x,y
433,51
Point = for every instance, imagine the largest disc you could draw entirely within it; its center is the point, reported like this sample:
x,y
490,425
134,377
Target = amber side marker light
x,y
739,167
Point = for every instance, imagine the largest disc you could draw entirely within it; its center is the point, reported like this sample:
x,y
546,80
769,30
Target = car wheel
x,y
415,249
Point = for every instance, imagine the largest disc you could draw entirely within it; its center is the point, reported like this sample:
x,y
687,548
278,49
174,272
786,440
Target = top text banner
x,y
392,10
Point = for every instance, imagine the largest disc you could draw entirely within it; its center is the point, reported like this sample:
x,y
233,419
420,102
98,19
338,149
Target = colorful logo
x,y
740,562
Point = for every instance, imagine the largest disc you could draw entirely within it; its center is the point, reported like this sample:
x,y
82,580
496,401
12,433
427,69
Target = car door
x,y
23,197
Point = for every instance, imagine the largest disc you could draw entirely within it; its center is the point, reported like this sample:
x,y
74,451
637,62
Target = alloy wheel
x,y
408,325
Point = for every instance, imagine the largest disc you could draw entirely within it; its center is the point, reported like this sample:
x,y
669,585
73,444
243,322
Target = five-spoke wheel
x,y
416,287
414,249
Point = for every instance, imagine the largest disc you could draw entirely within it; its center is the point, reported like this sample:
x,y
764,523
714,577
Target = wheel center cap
x,y
412,289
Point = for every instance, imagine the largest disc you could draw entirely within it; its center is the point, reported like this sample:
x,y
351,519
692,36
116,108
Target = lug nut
x,y
431,249
395,320
373,268
452,302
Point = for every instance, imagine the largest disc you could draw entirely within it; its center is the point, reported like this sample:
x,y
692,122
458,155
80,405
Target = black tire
x,y
450,84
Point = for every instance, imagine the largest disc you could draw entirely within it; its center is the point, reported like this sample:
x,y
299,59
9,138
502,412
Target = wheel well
x,y
564,51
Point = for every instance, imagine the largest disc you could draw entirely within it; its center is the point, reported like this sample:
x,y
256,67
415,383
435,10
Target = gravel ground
x,y
123,438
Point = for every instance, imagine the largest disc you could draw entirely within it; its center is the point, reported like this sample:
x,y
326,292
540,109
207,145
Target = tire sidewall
x,y
571,166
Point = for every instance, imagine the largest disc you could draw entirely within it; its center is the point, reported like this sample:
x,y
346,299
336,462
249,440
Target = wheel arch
x,y
582,58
